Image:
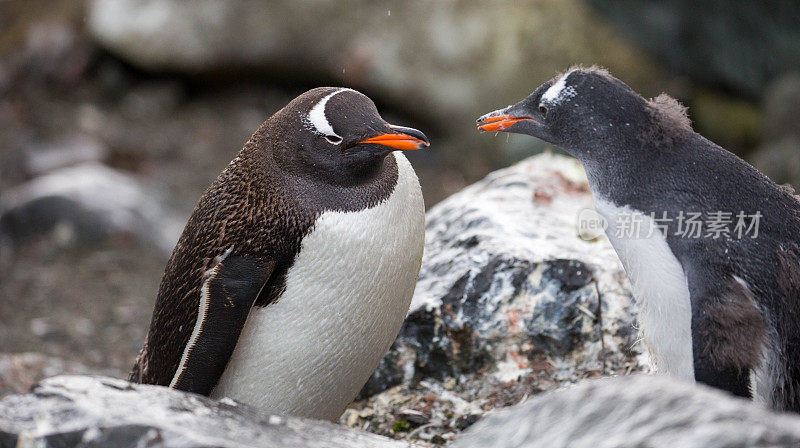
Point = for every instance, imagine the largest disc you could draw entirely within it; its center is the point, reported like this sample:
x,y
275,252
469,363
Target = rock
x,y
87,203
56,51
111,413
43,44
509,302
444,62
504,274
74,150
742,46
634,411
20,371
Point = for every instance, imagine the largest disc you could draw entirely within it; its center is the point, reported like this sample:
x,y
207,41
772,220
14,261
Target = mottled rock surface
x,y
634,411
104,412
510,302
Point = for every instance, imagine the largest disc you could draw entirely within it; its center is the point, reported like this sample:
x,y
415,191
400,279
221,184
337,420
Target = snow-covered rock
x,y
634,411
110,413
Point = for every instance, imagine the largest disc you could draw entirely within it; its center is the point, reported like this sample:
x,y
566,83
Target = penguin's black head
x,y
590,114
337,134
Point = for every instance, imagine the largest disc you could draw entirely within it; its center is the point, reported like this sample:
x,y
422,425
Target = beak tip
x,y
401,138
412,138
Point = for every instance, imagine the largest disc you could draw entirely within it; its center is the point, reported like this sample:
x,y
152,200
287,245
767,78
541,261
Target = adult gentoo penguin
x,y
719,305
296,269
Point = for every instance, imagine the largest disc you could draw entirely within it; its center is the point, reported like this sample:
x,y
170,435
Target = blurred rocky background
x,y
116,114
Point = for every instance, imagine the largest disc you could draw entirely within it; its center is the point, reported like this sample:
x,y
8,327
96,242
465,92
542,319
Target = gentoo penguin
x,y
296,269
719,301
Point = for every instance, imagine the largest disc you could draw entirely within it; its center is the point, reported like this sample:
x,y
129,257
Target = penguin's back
x,y
241,212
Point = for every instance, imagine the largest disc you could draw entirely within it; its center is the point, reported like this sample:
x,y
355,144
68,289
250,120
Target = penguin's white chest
x,y
659,286
346,296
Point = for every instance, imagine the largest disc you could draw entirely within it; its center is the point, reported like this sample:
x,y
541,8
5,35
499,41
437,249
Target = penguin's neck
x,y
608,173
314,194
639,177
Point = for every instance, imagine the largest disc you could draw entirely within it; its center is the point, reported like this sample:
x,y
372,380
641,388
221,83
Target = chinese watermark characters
x,y
683,224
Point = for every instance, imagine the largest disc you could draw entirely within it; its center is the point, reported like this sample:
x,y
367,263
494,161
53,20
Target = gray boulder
x,y
634,411
436,65
74,150
510,301
433,56
110,413
506,280
87,203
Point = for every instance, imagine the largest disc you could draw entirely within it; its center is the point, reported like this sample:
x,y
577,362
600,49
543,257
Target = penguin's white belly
x,y
659,286
346,296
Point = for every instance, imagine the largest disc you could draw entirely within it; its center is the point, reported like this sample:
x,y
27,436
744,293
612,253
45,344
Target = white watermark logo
x,y
692,225
591,225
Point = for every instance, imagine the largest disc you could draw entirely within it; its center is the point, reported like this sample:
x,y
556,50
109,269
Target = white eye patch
x,y
319,122
559,91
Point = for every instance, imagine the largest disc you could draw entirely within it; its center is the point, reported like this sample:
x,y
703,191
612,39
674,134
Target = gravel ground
x,y
82,310
432,412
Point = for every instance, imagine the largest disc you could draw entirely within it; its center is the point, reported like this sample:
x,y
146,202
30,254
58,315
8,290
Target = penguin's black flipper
x,y
229,295
727,336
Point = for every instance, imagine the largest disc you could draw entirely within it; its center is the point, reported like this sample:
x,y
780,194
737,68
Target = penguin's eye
x,y
543,111
333,139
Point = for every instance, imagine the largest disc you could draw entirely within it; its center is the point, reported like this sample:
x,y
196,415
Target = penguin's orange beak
x,y
402,138
499,122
